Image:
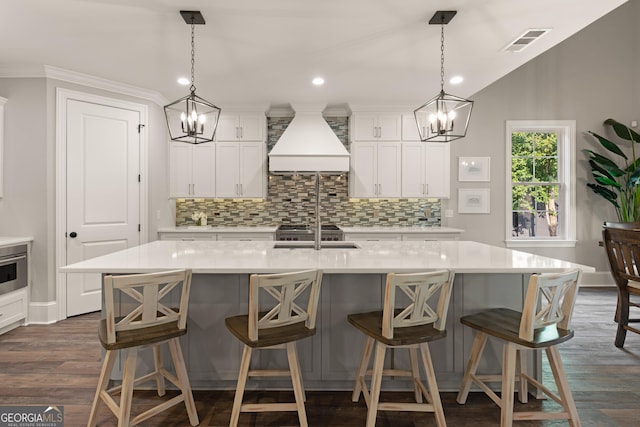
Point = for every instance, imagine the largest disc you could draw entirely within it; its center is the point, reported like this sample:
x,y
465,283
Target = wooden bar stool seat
x,y
275,320
147,322
543,324
420,320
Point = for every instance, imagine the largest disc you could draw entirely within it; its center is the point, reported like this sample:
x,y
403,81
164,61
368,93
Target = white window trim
x,y
567,178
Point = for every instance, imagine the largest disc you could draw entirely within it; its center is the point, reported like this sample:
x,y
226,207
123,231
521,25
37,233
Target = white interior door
x,y
103,192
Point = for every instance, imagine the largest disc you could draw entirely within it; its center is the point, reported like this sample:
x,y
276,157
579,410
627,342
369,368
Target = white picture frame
x,y
474,169
474,200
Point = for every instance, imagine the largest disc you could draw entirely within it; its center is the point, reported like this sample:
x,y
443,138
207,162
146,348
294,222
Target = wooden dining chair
x,y
543,324
276,320
622,242
412,326
144,319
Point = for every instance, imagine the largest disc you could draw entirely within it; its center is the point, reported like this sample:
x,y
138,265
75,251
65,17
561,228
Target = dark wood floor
x,y
59,365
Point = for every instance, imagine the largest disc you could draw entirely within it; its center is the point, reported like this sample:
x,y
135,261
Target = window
x,y
541,190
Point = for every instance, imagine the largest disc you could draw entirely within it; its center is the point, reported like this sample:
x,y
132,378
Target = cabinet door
x,y
251,174
247,237
409,128
364,127
372,237
228,128
389,169
363,178
437,169
180,170
203,173
227,161
252,127
389,127
413,169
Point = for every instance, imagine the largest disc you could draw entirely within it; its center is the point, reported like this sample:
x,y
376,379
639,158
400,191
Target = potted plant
x,y
617,178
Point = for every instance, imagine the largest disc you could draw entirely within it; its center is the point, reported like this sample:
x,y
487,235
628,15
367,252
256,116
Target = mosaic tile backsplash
x,y
291,198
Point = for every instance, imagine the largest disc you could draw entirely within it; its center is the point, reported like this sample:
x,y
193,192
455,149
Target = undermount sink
x,y
311,245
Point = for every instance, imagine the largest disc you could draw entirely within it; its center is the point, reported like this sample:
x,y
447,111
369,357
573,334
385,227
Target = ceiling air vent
x,y
525,39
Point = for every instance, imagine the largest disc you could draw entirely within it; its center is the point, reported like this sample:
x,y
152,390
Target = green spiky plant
x,y
618,184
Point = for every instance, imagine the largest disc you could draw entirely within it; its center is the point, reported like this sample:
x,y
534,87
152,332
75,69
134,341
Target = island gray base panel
x,y
330,358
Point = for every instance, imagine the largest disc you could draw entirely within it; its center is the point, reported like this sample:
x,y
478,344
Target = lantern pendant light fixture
x,y
192,119
445,117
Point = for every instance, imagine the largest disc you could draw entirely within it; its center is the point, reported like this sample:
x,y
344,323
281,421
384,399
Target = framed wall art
x,y
474,169
473,200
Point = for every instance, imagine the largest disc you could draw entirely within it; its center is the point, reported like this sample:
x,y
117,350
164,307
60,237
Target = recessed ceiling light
x,y
456,80
183,81
318,81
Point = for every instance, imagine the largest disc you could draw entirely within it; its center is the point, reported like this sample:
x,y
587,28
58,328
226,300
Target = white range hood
x,y
308,145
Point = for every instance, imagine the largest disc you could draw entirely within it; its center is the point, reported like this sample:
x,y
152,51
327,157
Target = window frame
x,y
566,130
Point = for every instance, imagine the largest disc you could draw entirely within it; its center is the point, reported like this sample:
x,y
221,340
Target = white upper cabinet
x,y
191,170
410,127
376,127
425,169
241,127
240,169
375,169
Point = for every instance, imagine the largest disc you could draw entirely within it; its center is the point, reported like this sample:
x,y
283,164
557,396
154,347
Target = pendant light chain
x,y
442,57
193,56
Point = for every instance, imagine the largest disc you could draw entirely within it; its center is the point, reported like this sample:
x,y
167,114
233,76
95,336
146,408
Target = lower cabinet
x,y
372,237
376,237
13,309
422,237
329,358
212,235
247,237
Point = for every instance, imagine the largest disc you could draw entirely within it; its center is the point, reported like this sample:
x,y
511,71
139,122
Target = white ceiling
x,y
266,52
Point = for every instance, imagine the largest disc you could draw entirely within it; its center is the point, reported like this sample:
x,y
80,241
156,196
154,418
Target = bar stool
x,y
622,243
275,323
421,320
145,321
543,323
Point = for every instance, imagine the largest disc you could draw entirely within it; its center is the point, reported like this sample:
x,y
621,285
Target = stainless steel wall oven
x,y
13,268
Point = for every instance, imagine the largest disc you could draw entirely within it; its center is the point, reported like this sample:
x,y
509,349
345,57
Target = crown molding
x,y
104,84
75,77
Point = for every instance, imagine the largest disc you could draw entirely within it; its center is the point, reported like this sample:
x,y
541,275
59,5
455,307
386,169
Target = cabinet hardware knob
x,y
73,234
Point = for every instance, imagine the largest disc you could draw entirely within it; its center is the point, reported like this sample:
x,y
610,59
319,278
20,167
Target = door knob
x,y
73,234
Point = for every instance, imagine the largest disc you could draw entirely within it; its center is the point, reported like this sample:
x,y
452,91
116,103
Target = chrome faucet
x,y
318,237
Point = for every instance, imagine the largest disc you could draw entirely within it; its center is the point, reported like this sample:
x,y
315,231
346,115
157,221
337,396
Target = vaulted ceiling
x,y
267,52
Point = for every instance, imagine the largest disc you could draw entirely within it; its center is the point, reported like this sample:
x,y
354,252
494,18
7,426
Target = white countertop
x,y
230,257
215,229
11,241
393,230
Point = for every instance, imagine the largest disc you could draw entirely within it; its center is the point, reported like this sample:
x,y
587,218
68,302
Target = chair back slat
x,y
549,300
622,242
147,293
421,291
283,308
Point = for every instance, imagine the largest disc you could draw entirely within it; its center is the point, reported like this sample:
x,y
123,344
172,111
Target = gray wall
x,y
28,207
28,163
588,78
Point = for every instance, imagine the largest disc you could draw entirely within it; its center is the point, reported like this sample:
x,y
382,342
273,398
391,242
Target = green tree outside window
x,y
535,183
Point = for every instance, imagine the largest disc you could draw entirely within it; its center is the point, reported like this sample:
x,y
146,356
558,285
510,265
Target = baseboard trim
x,y
597,279
43,313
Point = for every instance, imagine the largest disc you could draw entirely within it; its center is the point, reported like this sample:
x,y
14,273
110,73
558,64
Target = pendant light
x,y
445,117
192,119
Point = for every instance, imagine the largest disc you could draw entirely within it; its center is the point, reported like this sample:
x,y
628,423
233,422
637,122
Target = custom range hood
x,y
308,145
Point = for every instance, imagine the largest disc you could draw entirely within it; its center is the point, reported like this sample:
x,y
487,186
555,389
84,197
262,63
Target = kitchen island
x,y
486,276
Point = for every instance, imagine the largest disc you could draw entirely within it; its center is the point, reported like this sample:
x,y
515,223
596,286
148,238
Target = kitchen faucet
x,y
318,238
